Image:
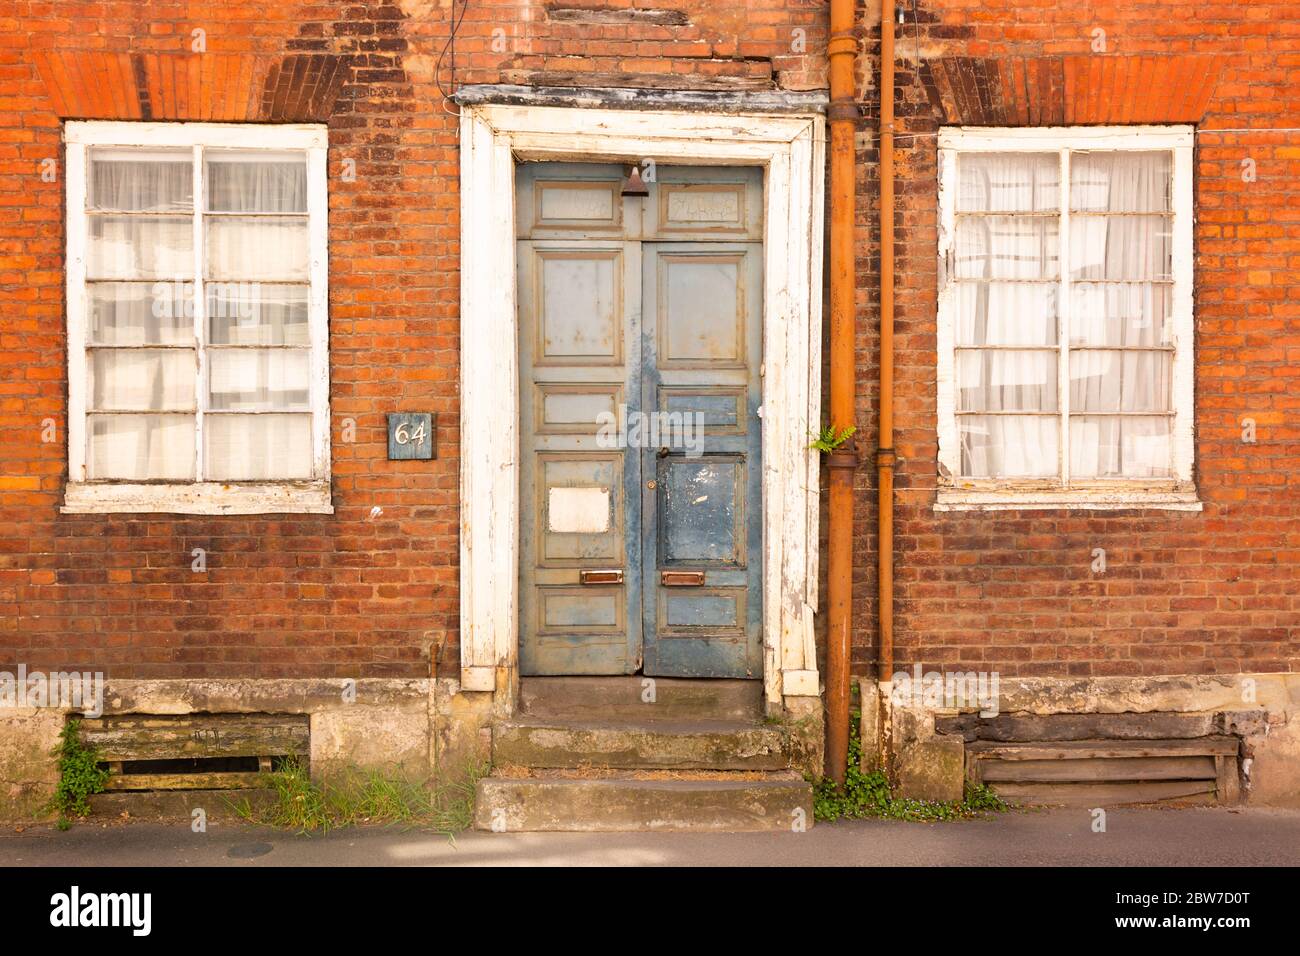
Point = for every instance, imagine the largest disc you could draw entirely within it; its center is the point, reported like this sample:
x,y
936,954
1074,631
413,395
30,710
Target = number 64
x,y
405,436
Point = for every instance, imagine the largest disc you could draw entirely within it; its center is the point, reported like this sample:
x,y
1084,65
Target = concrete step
x,y
632,698
627,801
702,745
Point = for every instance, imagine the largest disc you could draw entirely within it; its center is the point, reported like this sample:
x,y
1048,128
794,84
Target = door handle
x,y
681,579
606,576
663,452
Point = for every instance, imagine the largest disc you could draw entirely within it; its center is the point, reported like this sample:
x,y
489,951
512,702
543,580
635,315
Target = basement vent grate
x,y
195,751
1100,759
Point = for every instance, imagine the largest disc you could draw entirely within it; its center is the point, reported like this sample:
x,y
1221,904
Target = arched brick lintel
x,y
230,87
1072,90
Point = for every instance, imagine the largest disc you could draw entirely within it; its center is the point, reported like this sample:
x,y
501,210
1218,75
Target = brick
x,y
341,596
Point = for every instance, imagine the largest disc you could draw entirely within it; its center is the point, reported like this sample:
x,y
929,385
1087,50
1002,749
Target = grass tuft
x,y
361,797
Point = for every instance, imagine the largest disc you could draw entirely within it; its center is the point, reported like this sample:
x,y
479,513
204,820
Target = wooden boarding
x,y
1108,794
1032,728
1106,768
165,737
1091,749
1101,772
184,781
129,738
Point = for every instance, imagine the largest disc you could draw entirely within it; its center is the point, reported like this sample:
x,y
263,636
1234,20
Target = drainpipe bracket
x,y
843,458
842,43
842,110
885,458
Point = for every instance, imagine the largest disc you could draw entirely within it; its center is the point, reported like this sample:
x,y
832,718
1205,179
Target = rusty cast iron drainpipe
x,y
842,115
885,457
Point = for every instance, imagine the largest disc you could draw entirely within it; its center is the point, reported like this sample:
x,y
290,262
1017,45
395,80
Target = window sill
x,y
198,498
1084,499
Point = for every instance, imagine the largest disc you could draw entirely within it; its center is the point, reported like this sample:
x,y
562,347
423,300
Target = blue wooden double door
x,y
640,343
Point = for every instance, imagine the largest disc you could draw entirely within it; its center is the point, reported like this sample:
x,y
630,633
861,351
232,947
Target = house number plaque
x,y
412,436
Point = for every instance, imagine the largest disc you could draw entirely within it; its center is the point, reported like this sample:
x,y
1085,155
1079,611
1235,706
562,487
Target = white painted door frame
x,y
792,151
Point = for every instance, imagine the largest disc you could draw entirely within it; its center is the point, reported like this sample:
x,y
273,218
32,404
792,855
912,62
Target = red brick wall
x,y
1215,592
348,596
340,595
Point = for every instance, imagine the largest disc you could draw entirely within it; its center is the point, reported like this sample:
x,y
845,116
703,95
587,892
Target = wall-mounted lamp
x,y
635,186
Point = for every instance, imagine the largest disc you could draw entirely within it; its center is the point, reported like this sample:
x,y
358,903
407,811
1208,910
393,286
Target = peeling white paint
x,y
578,510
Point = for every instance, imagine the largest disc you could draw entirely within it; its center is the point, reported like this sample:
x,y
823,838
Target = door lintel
x,y
736,102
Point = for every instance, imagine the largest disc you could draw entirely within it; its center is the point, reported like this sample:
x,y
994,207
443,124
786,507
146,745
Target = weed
x,y
981,797
79,776
867,795
830,439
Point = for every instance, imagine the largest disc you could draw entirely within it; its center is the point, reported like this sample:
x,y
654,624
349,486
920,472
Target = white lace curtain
x,y
1007,274
140,289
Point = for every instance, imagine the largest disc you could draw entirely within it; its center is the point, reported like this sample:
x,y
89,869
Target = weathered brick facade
x,y
1183,593
347,595
372,590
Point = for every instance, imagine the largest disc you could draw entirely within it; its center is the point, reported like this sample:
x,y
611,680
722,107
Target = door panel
x,y
642,553
578,501
710,202
702,513
579,294
563,200
579,305
701,352
701,322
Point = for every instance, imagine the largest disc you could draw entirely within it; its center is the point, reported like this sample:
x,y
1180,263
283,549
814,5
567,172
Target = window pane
x,y
258,447
1120,181
1121,247
1006,313
1104,381
1006,247
257,313
257,248
141,447
257,182
257,379
1009,182
1011,446
1006,381
140,248
141,379
128,180
1127,447
1121,313
140,313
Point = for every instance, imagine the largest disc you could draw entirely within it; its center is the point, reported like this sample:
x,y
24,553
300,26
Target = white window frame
x,y
197,497
1178,492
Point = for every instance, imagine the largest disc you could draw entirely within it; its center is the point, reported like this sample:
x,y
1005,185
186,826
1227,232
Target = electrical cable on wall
x,y
916,32
450,45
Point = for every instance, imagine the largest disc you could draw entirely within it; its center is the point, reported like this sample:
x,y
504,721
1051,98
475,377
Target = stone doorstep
x,y
590,754
711,745
624,698
779,801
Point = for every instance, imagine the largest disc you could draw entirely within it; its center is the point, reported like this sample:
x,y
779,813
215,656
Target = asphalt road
x,y
1133,837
